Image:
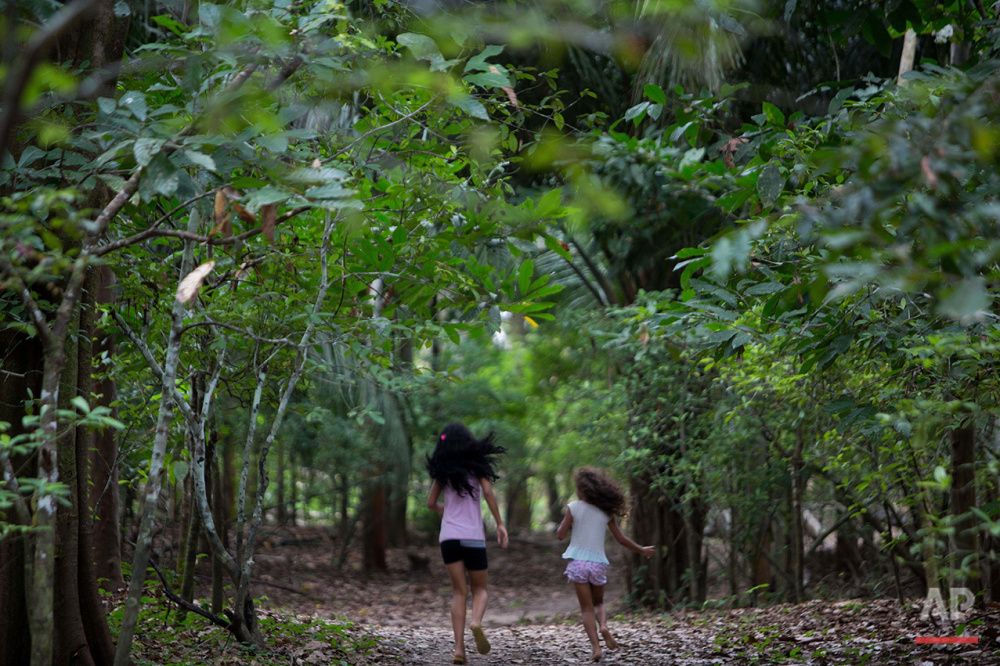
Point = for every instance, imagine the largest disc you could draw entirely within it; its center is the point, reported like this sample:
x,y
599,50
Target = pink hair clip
x,y
442,436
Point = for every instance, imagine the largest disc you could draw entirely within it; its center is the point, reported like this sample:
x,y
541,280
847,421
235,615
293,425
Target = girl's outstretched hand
x,y
502,536
647,551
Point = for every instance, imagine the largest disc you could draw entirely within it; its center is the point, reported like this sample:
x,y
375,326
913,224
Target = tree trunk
x,y
279,486
374,504
23,373
189,557
219,512
518,504
293,492
556,505
796,536
963,501
907,57
104,497
183,517
343,492
79,631
659,519
144,542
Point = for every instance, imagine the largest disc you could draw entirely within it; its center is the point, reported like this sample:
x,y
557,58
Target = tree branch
x,y
189,236
187,605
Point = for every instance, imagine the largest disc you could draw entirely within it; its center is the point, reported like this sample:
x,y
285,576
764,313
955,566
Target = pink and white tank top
x,y
463,515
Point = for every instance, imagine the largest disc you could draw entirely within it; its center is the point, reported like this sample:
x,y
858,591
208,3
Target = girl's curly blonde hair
x,y
595,486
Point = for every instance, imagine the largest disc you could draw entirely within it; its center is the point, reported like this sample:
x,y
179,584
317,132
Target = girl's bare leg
x,y
586,600
597,594
477,580
459,592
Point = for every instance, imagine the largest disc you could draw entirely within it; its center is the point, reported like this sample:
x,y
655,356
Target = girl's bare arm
x,y
564,526
491,501
628,543
432,499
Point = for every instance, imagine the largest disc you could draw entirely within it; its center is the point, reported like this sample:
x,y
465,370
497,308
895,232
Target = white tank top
x,y
589,525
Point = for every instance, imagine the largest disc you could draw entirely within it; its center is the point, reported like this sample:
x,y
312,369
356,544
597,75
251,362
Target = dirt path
x,y
533,617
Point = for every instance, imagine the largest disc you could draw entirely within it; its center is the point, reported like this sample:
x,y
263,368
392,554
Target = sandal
x,y
609,638
482,643
459,660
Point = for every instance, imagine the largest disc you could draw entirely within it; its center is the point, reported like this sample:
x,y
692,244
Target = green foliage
x,y
335,641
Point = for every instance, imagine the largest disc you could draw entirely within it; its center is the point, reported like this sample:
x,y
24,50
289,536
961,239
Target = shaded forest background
x,y
256,255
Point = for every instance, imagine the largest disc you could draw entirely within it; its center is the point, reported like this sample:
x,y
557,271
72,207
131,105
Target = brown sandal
x,y
482,643
459,660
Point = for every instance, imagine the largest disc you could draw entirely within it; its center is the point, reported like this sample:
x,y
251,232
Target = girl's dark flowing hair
x,y
595,486
459,455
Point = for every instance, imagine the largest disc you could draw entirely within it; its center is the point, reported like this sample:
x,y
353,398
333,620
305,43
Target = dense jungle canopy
x,y
255,255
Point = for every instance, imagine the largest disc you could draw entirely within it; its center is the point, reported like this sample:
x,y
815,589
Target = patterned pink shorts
x,y
581,571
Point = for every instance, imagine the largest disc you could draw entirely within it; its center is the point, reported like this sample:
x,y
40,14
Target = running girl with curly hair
x,y
463,469
601,501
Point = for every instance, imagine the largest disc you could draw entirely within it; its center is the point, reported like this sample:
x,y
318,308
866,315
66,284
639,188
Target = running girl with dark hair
x,y
601,501
463,469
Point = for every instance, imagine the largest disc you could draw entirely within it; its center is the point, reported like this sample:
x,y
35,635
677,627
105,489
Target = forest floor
x,y
402,617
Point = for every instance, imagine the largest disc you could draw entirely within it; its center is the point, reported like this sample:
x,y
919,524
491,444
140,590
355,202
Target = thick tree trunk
x,y
660,520
22,368
103,457
375,541
73,627
518,516
963,501
556,505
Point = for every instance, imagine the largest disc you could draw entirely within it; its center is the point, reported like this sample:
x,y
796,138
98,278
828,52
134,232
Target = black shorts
x,y
470,551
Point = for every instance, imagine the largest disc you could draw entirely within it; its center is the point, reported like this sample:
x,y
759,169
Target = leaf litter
x,y
313,613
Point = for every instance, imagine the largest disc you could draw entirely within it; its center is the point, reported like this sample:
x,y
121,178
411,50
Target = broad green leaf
x,y
470,105
655,93
266,195
180,471
765,288
524,276
136,103
558,247
488,79
478,62
162,175
200,159
770,184
424,48
774,114
145,149
549,202
839,99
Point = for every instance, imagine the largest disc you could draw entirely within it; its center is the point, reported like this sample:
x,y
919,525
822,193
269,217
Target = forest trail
x,y
533,617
